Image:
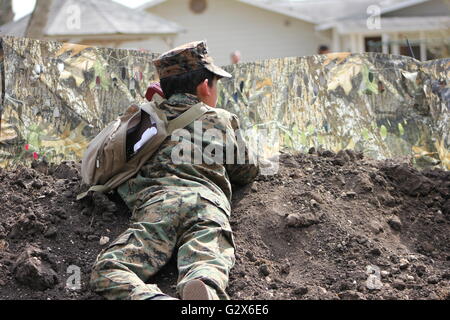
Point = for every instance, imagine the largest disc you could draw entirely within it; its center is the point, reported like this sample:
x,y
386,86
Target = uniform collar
x,y
178,103
183,99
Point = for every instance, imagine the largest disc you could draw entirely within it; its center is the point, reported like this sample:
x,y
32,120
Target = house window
x,y
373,44
198,6
406,51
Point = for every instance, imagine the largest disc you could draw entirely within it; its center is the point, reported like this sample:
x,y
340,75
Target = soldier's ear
x,y
203,89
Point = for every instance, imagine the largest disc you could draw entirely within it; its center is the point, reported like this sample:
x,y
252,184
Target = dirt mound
x,y
327,226
48,240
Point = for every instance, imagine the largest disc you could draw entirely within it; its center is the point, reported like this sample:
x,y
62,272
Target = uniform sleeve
x,y
243,167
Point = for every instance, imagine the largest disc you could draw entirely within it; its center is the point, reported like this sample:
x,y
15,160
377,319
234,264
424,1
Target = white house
x,y
420,26
262,29
95,22
259,29
229,25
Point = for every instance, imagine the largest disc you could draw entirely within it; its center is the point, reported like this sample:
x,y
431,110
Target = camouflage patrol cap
x,y
188,57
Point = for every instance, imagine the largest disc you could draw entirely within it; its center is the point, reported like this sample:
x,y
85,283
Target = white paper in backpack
x,y
146,136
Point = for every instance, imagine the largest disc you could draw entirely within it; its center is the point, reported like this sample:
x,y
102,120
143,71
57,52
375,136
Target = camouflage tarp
x,y
385,105
55,97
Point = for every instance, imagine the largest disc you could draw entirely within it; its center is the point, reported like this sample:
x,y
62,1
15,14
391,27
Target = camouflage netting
x,y
56,96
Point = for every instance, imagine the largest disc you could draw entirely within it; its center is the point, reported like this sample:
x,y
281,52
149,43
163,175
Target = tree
x,y
38,19
6,12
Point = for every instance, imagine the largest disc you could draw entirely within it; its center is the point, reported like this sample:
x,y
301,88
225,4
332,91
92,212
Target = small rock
x,y
300,291
37,184
327,154
92,237
103,240
251,256
50,233
361,239
394,270
421,270
349,194
304,219
385,274
395,223
427,247
254,187
68,194
398,284
341,179
375,252
388,200
316,196
40,166
264,269
433,280
286,268
292,219
351,295
22,183
294,175
50,193
410,278
60,212
351,263
340,161
375,227
403,264
273,286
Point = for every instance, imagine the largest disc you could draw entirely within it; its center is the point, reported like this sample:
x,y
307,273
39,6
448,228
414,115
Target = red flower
x,y
27,147
35,155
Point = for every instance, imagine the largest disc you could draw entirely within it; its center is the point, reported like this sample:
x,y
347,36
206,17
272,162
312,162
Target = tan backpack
x,y
106,163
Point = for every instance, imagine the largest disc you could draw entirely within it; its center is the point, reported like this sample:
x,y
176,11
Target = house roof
x,y
401,5
322,11
386,6
319,11
398,24
94,17
16,28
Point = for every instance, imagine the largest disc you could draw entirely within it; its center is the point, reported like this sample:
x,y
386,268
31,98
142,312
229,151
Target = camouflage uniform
x,y
184,207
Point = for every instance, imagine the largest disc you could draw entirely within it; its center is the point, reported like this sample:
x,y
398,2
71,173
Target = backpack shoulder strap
x,y
192,114
96,188
152,106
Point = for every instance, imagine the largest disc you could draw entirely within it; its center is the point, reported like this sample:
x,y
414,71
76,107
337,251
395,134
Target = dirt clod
x,y
33,268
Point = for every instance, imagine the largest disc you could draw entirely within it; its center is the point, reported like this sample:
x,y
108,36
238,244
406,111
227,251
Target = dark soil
x,y
326,226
